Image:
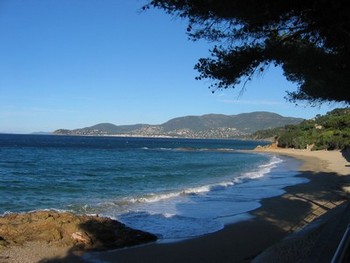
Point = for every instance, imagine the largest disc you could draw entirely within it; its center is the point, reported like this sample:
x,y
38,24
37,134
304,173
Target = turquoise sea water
x,y
175,188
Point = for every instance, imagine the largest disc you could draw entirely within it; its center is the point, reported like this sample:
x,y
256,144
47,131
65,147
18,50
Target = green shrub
x,y
331,131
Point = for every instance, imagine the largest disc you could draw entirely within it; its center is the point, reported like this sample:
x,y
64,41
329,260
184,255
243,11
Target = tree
x,y
331,131
310,40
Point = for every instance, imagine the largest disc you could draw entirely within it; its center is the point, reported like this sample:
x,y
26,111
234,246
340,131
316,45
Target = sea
x,y
174,188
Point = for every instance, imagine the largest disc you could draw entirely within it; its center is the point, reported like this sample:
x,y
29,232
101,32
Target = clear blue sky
x,y
76,63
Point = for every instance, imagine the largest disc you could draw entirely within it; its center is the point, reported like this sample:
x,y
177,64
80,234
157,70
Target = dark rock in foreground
x,y
68,230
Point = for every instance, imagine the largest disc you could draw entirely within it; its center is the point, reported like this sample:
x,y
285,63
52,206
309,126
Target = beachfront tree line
x,y
330,132
310,40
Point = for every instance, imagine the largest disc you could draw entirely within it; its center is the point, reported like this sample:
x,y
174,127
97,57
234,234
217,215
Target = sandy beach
x,y
323,200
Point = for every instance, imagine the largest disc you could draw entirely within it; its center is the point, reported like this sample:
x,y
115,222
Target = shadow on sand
x,y
103,235
346,155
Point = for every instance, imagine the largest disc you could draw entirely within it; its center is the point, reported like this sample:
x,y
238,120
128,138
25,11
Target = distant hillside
x,y
205,126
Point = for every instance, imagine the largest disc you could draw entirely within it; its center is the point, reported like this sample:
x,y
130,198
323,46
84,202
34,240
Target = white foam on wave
x,y
156,149
152,198
205,149
190,149
262,169
36,210
169,214
221,186
165,199
197,190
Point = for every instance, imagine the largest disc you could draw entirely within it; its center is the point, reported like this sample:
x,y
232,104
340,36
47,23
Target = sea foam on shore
x,y
195,212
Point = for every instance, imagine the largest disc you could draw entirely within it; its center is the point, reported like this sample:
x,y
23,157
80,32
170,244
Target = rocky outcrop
x,y
68,230
271,146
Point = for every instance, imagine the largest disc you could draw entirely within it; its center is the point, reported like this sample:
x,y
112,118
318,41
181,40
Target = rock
x,y
68,230
3,243
82,238
271,146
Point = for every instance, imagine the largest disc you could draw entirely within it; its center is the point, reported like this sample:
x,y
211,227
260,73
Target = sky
x,y
75,63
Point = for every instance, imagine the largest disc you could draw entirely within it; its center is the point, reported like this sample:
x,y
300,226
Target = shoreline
x,y
241,242
277,217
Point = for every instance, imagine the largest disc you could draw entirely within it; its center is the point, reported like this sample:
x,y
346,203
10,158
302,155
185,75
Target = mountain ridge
x,y
192,126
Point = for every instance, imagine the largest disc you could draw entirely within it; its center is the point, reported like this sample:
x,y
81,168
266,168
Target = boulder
x,y
68,230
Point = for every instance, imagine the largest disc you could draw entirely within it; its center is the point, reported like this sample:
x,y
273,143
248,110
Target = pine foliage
x,y
310,40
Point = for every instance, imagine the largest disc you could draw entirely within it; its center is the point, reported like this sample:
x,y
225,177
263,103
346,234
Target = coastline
x,y
273,221
243,241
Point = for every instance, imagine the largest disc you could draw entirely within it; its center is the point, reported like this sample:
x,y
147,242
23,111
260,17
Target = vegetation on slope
x,y
331,131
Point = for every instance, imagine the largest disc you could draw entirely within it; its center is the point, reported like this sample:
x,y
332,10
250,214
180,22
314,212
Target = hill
x,y
205,126
330,131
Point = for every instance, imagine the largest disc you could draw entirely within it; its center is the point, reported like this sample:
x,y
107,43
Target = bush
x,y
331,131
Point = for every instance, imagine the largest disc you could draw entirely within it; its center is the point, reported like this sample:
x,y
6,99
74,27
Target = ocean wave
x,y
262,169
131,203
36,210
190,149
152,198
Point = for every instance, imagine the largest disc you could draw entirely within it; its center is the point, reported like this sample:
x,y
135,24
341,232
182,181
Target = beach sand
x,y
323,198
